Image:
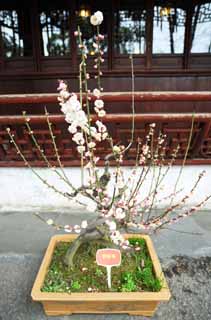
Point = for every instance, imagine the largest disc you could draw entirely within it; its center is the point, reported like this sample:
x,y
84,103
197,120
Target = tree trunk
x,y
93,232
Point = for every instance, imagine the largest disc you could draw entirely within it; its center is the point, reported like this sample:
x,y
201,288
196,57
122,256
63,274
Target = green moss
x,y
134,274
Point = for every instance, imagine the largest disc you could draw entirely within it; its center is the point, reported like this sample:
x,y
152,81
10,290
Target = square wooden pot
x,y
133,303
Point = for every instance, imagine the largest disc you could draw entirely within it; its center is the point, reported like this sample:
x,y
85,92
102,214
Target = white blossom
x,y
79,138
84,224
72,104
80,149
72,128
77,118
116,149
111,225
99,103
97,18
49,222
119,214
77,228
104,135
101,113
64,94
101,126
91,144
96,92
67,228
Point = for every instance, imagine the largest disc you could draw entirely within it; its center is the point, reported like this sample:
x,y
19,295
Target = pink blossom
x,y
101,36
111,225
62,85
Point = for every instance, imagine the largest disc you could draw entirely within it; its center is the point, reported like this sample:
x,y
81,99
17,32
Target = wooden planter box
x,y
133,303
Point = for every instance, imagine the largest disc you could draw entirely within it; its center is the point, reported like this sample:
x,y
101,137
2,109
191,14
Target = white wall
x,y
21,190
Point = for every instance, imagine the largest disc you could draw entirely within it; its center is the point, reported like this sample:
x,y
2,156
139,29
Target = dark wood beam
x,y
109,118
112,97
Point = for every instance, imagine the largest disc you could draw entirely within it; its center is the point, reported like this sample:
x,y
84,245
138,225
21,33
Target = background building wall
x,y
21,190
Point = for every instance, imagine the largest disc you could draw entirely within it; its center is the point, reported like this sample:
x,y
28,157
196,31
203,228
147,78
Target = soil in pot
x,y
135,274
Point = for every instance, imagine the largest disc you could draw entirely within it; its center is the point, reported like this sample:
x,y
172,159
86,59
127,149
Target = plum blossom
x,y
62,85
119,214
117,238
49,222
99,103
84,224
64,95
145,149
68,228
97,18
78,138
81,149
77,118
101,127
72,104
74,114
101,37
77,228
111,225
72,128
116,149
96,92
91,144
125,245
101,113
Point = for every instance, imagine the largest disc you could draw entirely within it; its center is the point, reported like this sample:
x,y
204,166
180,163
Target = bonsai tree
x,y
116,197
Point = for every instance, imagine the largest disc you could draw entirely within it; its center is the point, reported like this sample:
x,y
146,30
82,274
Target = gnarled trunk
x,y
93,232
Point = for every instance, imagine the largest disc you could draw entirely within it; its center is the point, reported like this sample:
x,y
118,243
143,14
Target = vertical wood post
x,y
110,28
188,31
2,64
35,21
73,45
149,32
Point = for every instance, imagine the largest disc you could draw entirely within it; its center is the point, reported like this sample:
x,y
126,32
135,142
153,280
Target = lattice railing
x,y
176,126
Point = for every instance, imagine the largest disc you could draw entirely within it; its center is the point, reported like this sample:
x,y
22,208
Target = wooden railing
x,y
175,125
113,97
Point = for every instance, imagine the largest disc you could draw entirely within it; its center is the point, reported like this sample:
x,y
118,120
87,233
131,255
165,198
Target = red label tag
x,y
108,257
